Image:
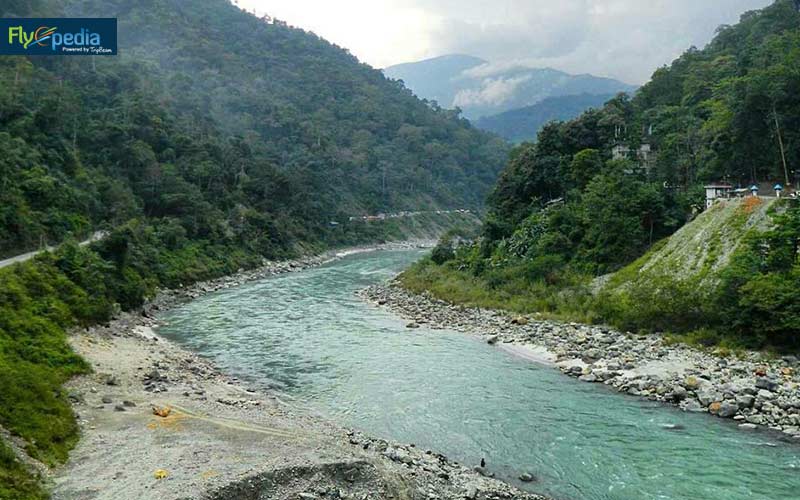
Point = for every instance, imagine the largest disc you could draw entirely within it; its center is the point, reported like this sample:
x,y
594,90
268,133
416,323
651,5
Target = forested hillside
x,y
226,133
214,140
564,211
519,125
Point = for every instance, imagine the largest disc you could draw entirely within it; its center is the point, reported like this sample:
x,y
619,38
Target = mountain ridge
x,y
480,90
522,124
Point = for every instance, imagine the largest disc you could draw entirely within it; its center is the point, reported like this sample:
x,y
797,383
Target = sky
x,y
623,39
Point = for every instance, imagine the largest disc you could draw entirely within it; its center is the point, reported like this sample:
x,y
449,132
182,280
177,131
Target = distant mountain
x,y
438,79
523,124
473,85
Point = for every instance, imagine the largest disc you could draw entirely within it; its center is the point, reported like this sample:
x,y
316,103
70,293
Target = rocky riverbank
x,y
755,390
160,422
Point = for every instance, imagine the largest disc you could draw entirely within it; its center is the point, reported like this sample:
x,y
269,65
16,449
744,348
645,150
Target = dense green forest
x,y
278,130
565,211
201,151
519,125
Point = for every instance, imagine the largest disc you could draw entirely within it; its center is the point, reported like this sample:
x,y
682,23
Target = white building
x,y
718,191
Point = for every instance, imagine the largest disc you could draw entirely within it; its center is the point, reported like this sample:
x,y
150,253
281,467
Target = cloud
x,y
625,39
493,91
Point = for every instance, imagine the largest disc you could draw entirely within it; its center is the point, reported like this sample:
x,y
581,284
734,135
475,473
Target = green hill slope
x,y
278,129
698,252
596,193
731,275
523,124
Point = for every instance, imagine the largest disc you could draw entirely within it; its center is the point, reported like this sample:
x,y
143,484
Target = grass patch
x,y
15,480
505,289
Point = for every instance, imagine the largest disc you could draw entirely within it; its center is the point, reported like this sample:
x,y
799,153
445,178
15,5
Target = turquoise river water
x,y
308,336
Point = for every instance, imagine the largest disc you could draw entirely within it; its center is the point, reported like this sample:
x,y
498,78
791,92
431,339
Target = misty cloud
x,y
493,91
625,39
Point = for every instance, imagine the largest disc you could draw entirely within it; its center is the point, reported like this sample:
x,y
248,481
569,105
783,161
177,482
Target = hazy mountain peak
x,y
482,88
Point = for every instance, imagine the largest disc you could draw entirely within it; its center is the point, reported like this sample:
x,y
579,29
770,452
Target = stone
x,y
765,394
714,407
790,360
748,426
484,472
691,383
767,384
727,409
492,340
755,419
119,408
745,401
590,377
76,397
679,393
128,404
412,325
526,477
107,400
692,405
708,396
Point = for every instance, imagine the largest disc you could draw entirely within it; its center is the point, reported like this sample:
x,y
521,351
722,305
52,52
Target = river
x,y
307,335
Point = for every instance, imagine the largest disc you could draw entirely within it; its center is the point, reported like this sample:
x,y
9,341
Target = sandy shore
x,y
221,439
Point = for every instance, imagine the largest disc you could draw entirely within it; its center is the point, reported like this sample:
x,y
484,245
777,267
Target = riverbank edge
x,y
758,392
445,478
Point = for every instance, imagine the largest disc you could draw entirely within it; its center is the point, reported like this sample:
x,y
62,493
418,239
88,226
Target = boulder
x,y
745,401
708,396
727,409
679,393
766,383
692,383
765,394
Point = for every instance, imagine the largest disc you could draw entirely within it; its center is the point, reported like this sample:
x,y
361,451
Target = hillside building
x,y
718,191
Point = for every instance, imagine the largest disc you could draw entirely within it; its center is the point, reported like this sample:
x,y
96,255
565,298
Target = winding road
x,y
96,236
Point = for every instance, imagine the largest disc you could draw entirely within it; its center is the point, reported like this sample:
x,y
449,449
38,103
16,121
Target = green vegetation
x,y
15,481
201,152
264,138
565,212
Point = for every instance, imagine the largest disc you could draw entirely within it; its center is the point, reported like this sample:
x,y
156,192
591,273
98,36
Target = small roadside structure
x,y
718,191
754,190
778,190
